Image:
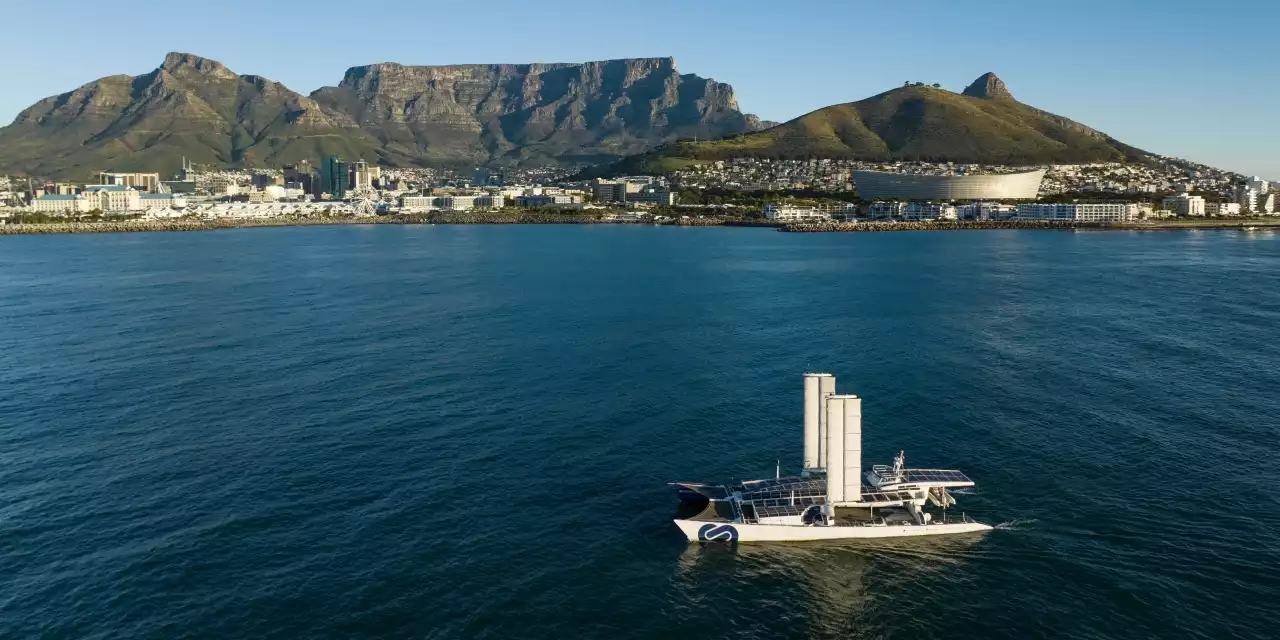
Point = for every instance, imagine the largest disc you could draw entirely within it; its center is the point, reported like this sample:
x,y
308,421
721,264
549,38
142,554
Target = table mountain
x,y
982,125
462,114
532,112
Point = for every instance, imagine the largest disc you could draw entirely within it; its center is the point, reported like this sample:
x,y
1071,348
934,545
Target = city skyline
x,y
1155,80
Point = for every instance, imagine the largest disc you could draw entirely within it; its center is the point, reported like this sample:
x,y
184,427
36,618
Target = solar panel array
x,y
886,496
936,475
794,488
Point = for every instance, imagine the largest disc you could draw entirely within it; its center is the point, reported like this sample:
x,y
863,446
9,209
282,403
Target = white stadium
x,y
873,185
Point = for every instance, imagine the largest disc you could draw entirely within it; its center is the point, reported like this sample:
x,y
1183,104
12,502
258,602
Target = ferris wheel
x,y
363,207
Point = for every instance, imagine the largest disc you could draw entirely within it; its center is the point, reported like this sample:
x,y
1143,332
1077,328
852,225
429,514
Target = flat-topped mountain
x,y
982,125
532,112
457,114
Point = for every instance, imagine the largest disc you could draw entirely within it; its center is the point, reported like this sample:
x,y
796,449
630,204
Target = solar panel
x,y
793,487
936,475
886,496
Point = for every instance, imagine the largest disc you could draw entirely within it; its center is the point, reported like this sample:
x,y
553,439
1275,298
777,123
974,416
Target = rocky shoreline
x,y
935,225
527,217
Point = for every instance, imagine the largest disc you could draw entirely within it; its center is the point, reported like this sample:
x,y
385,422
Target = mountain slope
x,y
393,114
189,106
983,125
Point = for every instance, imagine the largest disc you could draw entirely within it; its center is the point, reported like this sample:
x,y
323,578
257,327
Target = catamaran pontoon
x,y
828,501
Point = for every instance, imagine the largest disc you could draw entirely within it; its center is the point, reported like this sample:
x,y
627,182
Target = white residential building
x,y
1256,201
417,203
1222,208
916,211
791,213
1257,184
886,210
451,202
986,211
562,200
1184,205
61,204
1078,212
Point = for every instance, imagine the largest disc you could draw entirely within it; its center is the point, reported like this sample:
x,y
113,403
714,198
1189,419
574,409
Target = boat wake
x,y
1016,525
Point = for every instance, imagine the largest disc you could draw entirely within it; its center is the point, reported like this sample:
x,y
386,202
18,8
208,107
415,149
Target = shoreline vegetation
x,y
533,217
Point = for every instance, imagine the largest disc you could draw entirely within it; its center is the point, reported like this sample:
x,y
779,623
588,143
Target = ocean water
x,y
440,432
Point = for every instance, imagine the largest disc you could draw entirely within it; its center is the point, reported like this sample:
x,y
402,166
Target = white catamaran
x,y
828,500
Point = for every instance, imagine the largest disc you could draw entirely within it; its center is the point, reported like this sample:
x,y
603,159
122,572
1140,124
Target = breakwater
x,y
195,224
934,225
540,217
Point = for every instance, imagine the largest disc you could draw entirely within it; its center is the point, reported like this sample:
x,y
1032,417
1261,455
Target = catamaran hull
x,y
701,530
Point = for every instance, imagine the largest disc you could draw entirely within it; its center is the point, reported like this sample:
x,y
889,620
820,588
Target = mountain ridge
x,y
506,114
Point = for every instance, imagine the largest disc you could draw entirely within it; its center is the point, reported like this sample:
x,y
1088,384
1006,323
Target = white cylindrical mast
x,y
844,449
814,383
826,389
835,449
853,448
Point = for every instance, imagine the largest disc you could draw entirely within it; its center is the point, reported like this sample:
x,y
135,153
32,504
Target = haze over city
x,y
1164,79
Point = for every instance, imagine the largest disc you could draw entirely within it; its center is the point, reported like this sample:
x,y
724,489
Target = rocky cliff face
x,y
988,86
462,115
532,112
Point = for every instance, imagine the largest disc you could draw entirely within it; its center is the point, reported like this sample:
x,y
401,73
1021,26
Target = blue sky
x,y
1198,80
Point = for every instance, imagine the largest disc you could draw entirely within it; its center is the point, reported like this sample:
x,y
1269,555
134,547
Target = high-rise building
x,y
301,176
143,181
334,179
361,179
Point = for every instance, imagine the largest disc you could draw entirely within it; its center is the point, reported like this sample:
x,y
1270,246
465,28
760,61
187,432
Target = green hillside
x,y
983,125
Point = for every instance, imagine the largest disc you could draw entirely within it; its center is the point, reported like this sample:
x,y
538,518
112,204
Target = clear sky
x,y
1193,79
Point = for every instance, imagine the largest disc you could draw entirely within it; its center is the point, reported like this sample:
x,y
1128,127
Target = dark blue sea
x,y
466,431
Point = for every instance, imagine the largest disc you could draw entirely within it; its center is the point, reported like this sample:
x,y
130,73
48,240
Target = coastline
x,y
869,227
181,224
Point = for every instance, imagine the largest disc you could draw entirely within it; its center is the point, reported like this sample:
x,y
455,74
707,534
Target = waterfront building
x,y
792,213
1257,184
553,200
1184,205
113,198
149,182
986,211
416,203
653,194
61,203
490,201
1078,212
912,186
881,210
609,191
334,179
159,201
916,211
1222,208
